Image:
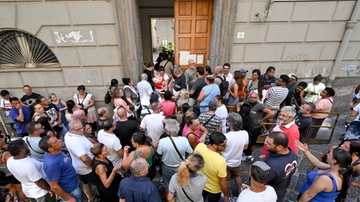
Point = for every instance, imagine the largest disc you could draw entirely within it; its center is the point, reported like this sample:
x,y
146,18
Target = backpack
x,y
107,98
224,86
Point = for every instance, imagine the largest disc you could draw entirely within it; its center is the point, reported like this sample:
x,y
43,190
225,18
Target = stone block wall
x,y
298,37
82,35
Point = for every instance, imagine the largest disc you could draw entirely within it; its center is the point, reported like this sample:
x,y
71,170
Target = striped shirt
x,y
277,95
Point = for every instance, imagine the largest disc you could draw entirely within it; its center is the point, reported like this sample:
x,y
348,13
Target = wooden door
x,y
193,20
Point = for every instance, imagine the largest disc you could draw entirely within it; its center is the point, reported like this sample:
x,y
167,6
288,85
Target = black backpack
x,y
224,86
107,98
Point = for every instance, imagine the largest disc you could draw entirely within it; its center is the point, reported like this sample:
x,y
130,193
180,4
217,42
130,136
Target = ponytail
x,y
189,167
346,175
183,175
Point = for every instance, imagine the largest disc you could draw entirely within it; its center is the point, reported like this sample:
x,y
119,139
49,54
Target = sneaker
x,y
244,158
265,133
249,159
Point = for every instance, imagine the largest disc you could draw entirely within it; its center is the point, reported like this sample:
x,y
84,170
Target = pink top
x,y
186,131
322,105
168,108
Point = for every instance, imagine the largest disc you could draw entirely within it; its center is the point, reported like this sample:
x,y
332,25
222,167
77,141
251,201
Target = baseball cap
x,y
293,76
243,70
154,98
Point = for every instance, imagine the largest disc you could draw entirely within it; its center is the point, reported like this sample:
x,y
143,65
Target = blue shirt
x,y
59,167
20,126
268,81
138,189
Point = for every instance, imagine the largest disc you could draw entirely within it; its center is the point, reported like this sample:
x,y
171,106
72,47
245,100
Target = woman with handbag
x,y
61,105
194,131
86,102
132,97
187,184
143,149
46,120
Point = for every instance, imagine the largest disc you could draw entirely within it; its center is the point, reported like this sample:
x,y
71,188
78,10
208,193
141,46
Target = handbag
x,y
81,103
156,159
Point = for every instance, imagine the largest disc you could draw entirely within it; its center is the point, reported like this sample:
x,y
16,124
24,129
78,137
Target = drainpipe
x,y
345,41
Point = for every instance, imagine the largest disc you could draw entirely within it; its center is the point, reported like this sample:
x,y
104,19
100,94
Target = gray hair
x,y
218,68
290,109
144,76
177,70
73,123
235,121
212,105
173,126
137,165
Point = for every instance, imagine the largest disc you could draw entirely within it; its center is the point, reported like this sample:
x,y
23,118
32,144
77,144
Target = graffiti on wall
x,y
74,37
352,68
304,57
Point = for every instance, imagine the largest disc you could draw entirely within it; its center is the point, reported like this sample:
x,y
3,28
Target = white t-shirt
x,y
78,146
28,171
230,79
223,114
5,104
269,195
154,126
113,144
357,108
236,140
144,89
169,155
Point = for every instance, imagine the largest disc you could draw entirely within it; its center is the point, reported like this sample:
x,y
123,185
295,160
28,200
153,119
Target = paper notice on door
x,y
184,58
200,59
193,57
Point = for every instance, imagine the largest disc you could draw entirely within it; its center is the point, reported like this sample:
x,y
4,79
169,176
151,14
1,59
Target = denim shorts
x,y
76,194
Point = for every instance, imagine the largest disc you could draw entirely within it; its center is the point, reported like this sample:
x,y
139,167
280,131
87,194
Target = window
x,y
22,50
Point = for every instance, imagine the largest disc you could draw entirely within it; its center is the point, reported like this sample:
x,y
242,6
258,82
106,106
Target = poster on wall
x,y
184,58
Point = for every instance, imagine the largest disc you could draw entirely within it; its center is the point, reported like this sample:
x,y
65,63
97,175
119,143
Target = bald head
x,y
156,106
103,112
138,167
79,114
218,69
121,112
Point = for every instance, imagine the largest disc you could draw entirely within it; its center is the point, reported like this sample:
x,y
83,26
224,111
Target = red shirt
x,y
291,131
168,107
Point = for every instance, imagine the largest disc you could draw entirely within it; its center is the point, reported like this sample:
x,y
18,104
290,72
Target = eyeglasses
x,y
252,97
222,145
226,68
198,124
41,127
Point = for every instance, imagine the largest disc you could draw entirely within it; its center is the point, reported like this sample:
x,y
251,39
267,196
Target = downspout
x,y
350,25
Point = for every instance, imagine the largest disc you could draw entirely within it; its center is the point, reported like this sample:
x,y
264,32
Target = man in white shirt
x,y
170,157
152,124
79,148
109,139
29,172
237,141
221,112
35,130
229,77
145,90
257,191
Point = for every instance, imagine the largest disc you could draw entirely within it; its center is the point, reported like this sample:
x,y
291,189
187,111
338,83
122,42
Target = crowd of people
x,y
193,129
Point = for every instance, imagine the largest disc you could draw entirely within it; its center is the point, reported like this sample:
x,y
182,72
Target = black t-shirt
x,y
181,81
197,86
100,124
149,75
124,131
303,123
293,99
283,166
52,110
29,100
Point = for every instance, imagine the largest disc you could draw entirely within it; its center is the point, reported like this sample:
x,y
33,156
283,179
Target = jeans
x,y
210,196
76,194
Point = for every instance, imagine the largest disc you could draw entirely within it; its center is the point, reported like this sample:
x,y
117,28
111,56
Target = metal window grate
x,y
22,50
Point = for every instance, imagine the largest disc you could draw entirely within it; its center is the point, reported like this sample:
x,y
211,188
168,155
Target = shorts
x,y
233,172
88,178
167,173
